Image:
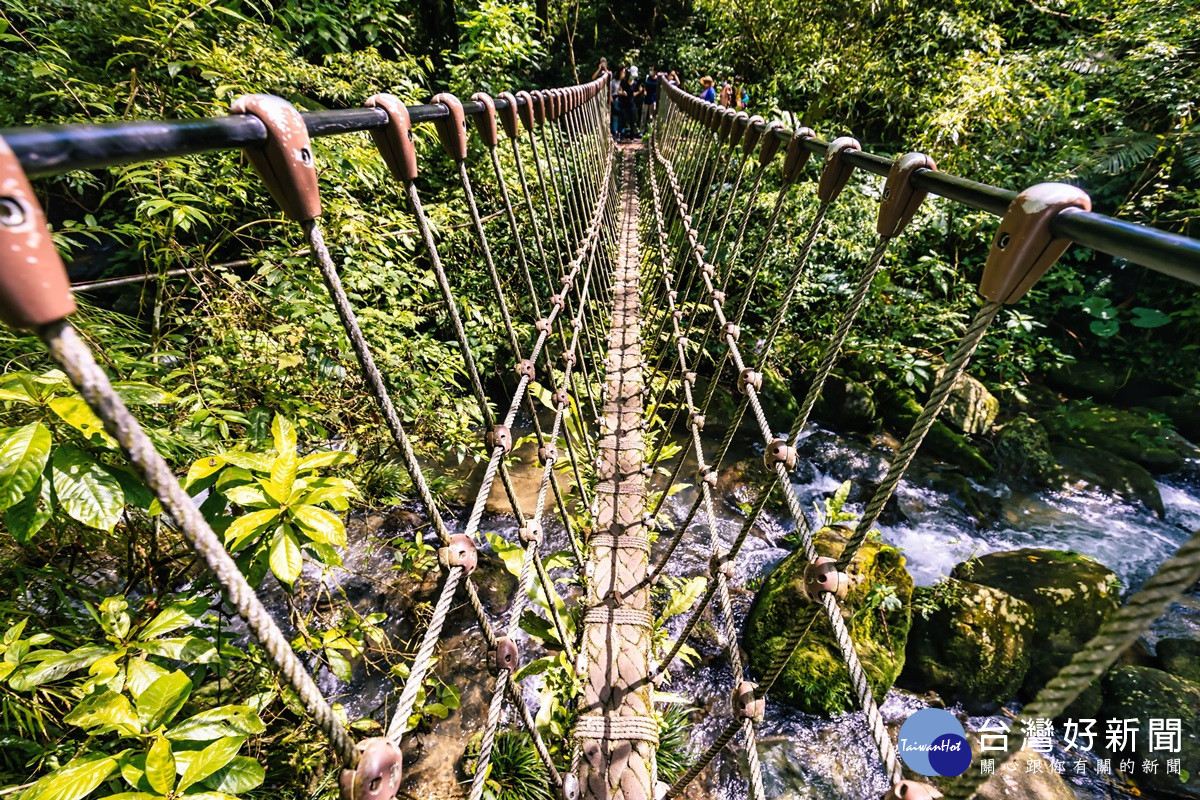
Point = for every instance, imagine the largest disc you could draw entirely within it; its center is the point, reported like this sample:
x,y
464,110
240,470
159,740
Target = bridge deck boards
x,y
617,732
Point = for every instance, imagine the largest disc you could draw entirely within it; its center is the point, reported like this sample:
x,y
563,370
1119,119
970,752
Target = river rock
x,y
1184,412
1084,379
1180,657
815,679
969,643
1126,433
1142,694
1082,469
970,408
1071,596
1023,452
900,409
847,404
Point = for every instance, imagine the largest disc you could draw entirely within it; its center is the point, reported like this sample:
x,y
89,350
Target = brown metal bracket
x,y
753,135
797,154
526,110
485,123
738,129
822,576
1024,247
724,124
452,130
539,106
900,198
395,140
770,143
34,287
377,774
836,170
285,162
459,552
504,657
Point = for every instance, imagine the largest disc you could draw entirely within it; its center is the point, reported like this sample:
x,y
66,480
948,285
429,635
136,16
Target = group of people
x,y
634,102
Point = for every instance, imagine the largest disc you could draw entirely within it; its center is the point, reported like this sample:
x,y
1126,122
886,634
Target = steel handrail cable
x,y
866,699
531,541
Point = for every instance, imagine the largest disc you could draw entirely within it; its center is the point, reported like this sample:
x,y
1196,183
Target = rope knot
x,y
734,331
718,296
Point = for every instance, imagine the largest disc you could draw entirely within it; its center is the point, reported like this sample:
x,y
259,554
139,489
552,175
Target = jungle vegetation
x,y
118,671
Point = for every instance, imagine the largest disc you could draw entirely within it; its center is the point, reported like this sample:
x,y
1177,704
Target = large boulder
x,y
1084,469
815,679
1126,433
970,408
1143,694
1023,451
846,404
1180,657
1184,412
1084,379
969,643
1071,596
900,409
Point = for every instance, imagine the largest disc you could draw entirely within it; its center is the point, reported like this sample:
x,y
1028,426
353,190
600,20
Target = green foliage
x,y
515,771
673,755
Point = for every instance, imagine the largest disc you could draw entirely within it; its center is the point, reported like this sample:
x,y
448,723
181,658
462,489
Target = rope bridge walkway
x,y
631,277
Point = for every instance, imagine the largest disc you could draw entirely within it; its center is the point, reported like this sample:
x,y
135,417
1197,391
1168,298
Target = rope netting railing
x,y
574,199
696,148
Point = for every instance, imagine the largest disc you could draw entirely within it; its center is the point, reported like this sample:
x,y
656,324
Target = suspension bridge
x,y
632,265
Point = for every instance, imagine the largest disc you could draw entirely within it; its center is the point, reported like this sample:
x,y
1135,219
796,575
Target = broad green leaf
x,y
14,632
247,526
136,393
326,458
217,723
256,462
511,554
283,433
283,474
242,774
286,560
140,674
332,491
162,699
277,493
201,468
30,515
320,525
682,598
535,667
1148,318
76,780
188,649
104,710
23,454
50,665
212,758
75,412
133,770
86,490
137,493
160,766
175,616
17,394
135,796
341,667
248,496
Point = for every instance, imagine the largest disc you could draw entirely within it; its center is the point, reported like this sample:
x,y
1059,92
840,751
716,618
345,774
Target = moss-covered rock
x,y
1084,379
969,643
1082,469
1184,412
1126,433
1180,657
1023,451
1071,596
846,404
815,679
1143,693
900,409
970,408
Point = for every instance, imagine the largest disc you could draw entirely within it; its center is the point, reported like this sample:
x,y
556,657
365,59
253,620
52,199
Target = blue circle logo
x,y
932,742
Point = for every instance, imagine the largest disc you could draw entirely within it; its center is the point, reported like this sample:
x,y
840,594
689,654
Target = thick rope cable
x,y
76,359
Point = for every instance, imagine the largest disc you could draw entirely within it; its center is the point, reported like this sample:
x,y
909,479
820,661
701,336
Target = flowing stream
x,y
803,756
